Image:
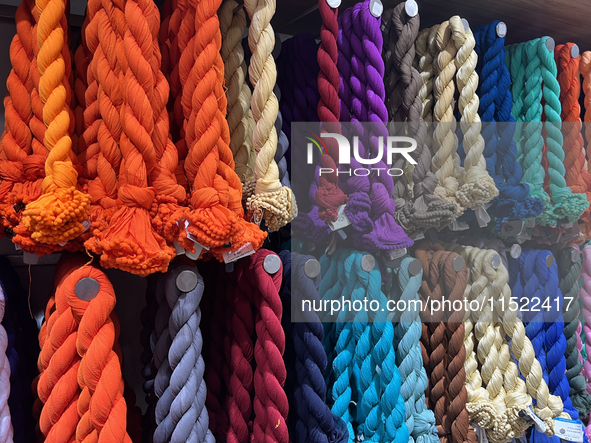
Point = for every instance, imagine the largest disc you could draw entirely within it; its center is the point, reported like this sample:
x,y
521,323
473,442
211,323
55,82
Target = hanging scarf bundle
x,y
313,419
528,133
371,207
407,335
569,262
534,275
271,201
180,376
497,382
500,150
586,311
6,430
402,81
577,178
363,360
443,344
240,121
57,215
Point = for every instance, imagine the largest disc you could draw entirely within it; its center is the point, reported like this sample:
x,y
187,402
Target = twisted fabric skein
x,y
424,62
180,413
372,218
569,272
569,205
339,340
277,201
443,345
240,121
329,197
282,141
403,84
586,297
6,430
500,150
130,242
407,334
57,215
16,160
314,421
445,162
101,406
523,60
216,215
478,186
577,178
526,282
585,70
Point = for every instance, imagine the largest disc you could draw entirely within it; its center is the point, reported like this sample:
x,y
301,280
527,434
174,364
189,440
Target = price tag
x,y
570,233
530,223
63,244
568,430
540,425
193,239
482,216
458,226
419,236
17,247
178,248
397,253
86,224
244,251
341,221
30,259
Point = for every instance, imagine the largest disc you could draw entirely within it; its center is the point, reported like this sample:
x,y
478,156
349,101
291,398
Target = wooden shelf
x,y
565,21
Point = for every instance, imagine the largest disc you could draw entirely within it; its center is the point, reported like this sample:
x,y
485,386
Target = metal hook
x,y
312,268
186,281
271,264
87,289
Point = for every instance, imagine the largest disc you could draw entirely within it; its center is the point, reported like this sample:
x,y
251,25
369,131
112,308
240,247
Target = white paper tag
x,y
482,216
341,221
530,223
244,251
30,259
192,238
419,236
86,224
540,425
17,247
397,253
63,244
568,430
458,226
178,248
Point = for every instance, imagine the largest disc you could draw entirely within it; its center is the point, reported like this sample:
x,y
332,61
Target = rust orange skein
x,y
130,243
57,215
577,177
101,404
216,215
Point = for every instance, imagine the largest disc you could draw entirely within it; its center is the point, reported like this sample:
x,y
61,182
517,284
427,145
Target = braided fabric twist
x,y
240,121
443,345
314,421
500,149
568,204
339,340
57,385
407,334
277,201
478,186
16,166
81,62
577,178
216,215
525,282
6,430
130,243
586,311
329,197
57,215
180,412
524,62
403,84
372,218
568,273
585,70
101,406
424,61
106,67
445,162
